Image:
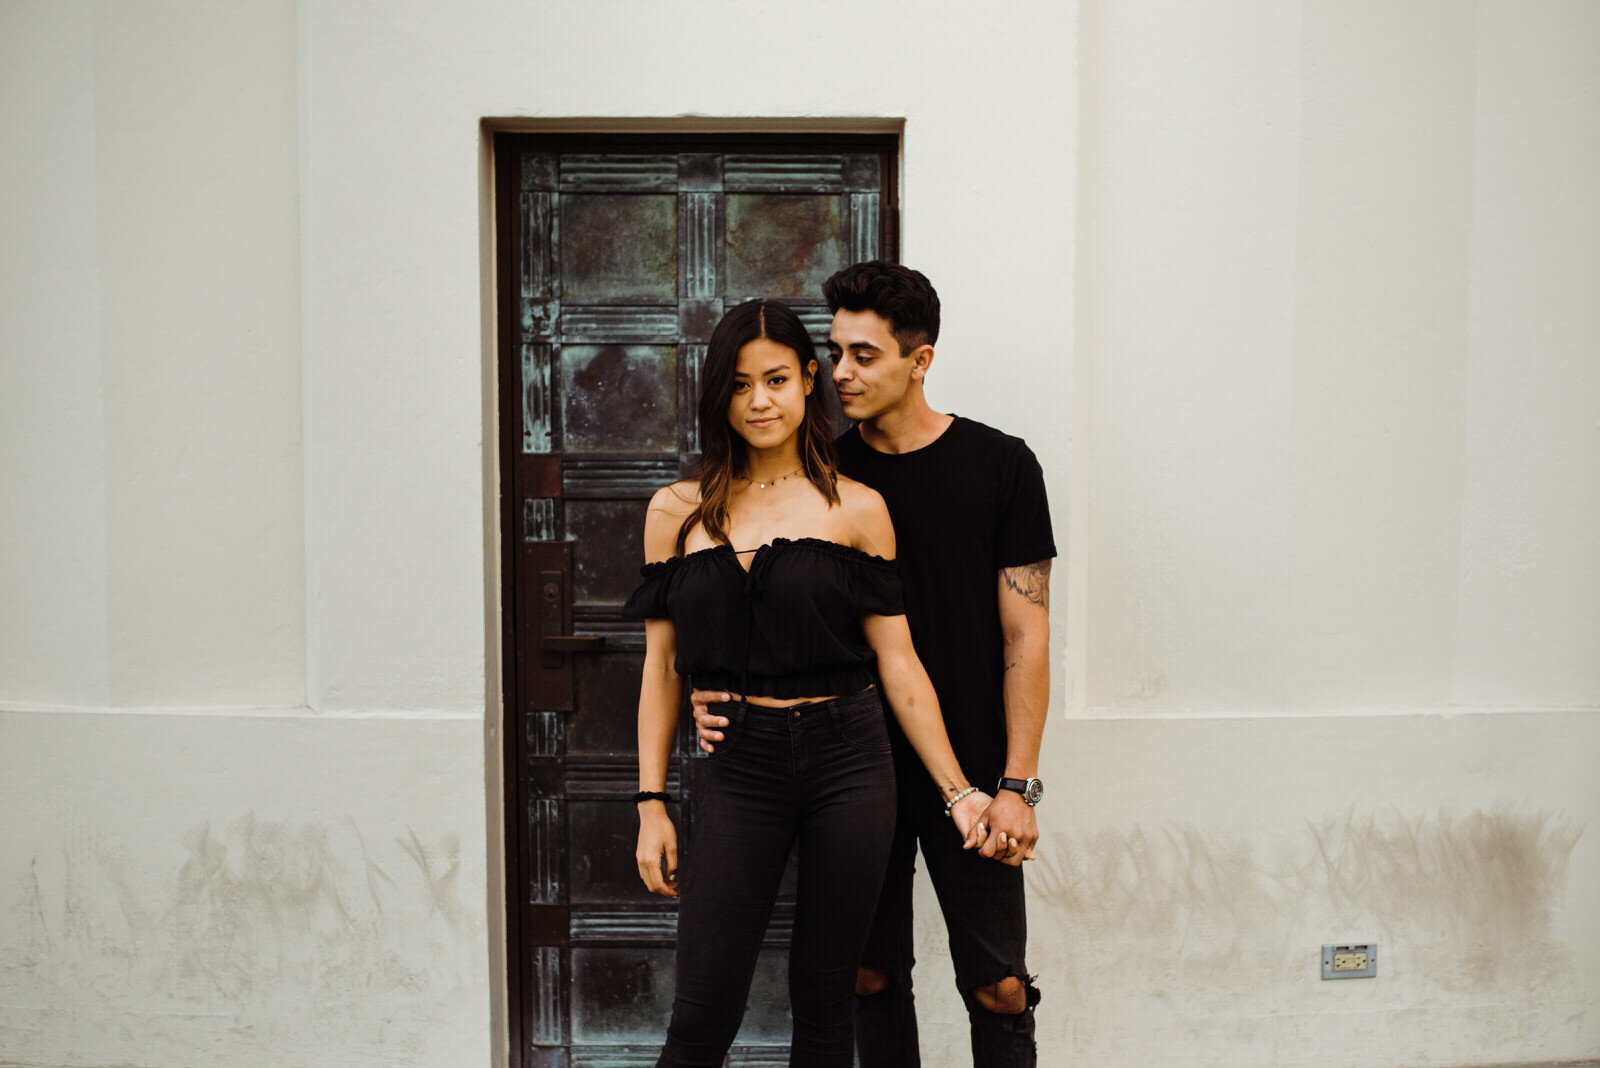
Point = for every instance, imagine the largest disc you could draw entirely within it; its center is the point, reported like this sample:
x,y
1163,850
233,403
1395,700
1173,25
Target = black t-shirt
x,y
790,626
964,506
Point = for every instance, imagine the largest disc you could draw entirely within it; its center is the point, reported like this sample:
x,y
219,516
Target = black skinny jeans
x,y
819,773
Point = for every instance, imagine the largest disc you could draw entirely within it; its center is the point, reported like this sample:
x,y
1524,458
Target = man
x,y
974,549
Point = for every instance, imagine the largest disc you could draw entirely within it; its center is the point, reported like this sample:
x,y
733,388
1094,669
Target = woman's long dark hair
x,y
723,455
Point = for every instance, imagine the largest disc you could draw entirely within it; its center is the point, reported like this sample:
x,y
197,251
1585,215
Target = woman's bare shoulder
x,y
669,507
677,499
868,516
860,499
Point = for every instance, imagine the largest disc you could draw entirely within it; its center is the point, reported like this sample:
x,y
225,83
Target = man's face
x,y
871,374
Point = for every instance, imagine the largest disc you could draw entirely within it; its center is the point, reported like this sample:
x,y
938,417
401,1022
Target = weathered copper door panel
x,y
617,257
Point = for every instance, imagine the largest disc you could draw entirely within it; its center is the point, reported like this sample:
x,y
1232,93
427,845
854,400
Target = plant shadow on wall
x,y
259,915
1461,900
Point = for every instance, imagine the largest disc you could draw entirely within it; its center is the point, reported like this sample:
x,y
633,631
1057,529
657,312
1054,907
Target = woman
x,y
769,576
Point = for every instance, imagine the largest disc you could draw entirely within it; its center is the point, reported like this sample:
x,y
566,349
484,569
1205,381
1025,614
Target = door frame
x,y
504,140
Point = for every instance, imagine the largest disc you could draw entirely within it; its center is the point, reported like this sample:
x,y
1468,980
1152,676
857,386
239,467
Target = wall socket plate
x,y
1358,960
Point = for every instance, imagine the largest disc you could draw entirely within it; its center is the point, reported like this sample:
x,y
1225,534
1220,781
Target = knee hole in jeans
x,y
1008,997
870,981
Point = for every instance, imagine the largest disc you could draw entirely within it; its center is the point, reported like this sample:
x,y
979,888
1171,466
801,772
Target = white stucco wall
x,y
1341,594
1308,361
53,633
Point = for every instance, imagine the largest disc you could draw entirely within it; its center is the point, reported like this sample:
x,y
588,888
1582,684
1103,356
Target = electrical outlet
x,y
1356,961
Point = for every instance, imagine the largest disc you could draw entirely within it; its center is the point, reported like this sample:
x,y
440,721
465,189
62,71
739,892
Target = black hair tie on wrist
x,y
651,795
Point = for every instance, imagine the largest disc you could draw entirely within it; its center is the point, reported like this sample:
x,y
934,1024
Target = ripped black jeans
x,y
986,916
819,774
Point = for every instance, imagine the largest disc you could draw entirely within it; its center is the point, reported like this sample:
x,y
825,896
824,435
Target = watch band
x,y
1030,789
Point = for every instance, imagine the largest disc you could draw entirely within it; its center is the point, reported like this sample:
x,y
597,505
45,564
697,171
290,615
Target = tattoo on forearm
x,y
1030,580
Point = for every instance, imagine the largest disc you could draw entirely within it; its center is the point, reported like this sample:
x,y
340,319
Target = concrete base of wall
x,y
248,890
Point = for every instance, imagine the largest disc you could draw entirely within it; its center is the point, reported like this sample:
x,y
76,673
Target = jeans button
x,y
797,715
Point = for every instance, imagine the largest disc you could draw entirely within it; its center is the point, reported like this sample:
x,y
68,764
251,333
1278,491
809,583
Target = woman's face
x,y
769,393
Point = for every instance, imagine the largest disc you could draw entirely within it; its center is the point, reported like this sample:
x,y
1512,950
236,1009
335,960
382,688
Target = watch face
x,y
1034,792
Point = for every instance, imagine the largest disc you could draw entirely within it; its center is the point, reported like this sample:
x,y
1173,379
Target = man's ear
x,y
921,359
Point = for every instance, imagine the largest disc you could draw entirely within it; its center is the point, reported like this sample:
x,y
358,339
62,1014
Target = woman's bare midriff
x,y
786,702
780,702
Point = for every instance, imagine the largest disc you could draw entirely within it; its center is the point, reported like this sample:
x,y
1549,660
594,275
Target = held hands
x,y
658,841
706,722
1002,828
1012,831
968,816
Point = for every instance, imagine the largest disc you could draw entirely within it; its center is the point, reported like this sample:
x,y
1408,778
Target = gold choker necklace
x,y
772,482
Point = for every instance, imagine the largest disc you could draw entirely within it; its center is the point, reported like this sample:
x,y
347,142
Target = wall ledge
x,y
1442,712
237,712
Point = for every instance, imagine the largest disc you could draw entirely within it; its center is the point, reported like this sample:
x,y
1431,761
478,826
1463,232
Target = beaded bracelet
x,y
950,804
651,795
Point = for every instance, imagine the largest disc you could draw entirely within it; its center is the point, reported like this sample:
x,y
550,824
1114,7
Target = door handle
x,y
573,643
555,617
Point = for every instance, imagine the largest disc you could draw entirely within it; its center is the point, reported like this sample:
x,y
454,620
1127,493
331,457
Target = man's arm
x,y
1025,628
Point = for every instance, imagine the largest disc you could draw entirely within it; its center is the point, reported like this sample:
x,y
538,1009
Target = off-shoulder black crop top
x,y
789,627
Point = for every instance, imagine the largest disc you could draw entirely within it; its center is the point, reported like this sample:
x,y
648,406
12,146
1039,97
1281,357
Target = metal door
x,y
617,257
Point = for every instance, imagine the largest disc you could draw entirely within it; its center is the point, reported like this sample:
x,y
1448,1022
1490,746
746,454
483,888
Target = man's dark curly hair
x,y
905,298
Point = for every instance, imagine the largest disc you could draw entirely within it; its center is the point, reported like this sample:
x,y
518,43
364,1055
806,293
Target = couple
x,y
777,583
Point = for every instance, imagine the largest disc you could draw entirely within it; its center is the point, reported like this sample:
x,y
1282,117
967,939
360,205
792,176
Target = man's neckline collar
x,y
951,417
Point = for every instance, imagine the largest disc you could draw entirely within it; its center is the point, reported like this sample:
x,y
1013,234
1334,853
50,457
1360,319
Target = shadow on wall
x,y
1463,901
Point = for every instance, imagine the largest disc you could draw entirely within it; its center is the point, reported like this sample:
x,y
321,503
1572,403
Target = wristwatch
x,y
1030,789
